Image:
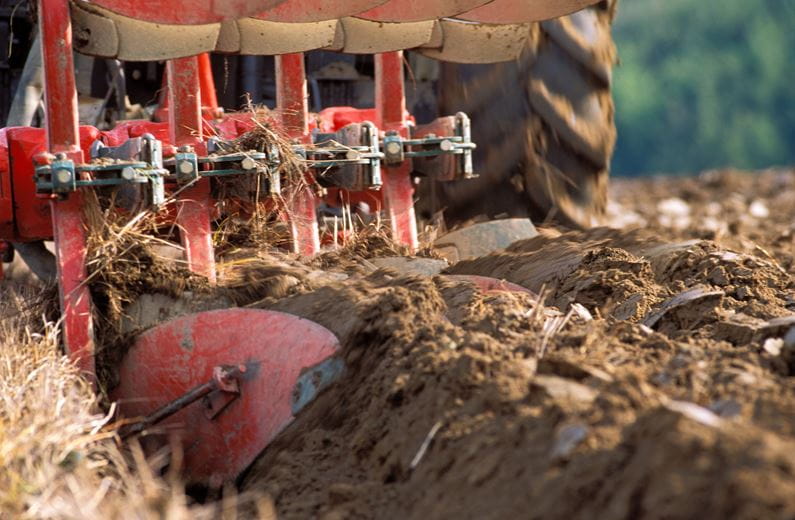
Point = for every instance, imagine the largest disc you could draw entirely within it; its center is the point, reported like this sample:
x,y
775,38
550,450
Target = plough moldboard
x,y
227,394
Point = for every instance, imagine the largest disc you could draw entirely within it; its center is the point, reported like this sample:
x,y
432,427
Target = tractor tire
x,y
544,126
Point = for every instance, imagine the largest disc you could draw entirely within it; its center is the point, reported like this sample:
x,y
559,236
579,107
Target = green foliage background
x,y
704,84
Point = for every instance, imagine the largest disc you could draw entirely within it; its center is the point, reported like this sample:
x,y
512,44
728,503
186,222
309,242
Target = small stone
x,y
789,339
560,388
747,379
695,412
567,440
582,312
674,208
739,329
742,293
743,272
718,277
339,493
726,408
777,327
661,378
773,346
758,209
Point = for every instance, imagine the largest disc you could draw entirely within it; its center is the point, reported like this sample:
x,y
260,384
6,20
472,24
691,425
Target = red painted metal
x,y
418,10
333,119
491,285
60,98
169,360
6,194
194,206
184,94
70,252
32,218
390,99
297,11
291,98
32,214
522,11
209,99
186,12
291,95
60,95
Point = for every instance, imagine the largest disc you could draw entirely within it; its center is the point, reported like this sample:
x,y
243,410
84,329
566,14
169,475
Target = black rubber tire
x,y
544,126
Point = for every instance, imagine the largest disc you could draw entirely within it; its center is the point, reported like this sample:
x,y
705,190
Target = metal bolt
x,y
393,148
60,156
185,167
63,175
128,173
248,163
353,155
446,145
185,149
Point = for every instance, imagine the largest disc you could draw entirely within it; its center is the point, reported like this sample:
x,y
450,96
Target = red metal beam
x,y
291,98
60,98
390,104
194,206
209,99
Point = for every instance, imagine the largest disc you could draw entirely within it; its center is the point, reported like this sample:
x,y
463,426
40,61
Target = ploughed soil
x,y
652,374
649,371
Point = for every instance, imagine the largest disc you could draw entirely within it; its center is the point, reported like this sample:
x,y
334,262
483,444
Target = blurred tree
x,y
704,84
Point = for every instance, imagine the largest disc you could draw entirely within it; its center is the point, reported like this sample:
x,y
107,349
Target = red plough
x,y
228,381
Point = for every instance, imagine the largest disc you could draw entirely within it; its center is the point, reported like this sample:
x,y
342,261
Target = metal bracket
x,y
63,177
394,152
223,386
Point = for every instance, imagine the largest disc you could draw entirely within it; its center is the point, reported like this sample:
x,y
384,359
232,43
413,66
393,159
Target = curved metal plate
x,y
87,26
420,10
100,32
265,38
483,238
467,42
169,360
297,11
524,11
367,37
186,12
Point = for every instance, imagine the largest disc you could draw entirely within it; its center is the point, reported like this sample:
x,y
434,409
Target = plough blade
x,y
483,238
475,43
281,362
